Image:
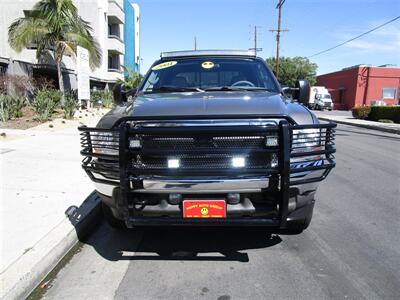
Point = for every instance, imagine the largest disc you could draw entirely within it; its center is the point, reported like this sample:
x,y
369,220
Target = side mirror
x,y
122,95
302,91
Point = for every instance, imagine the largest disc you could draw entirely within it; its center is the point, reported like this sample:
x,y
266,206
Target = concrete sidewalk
x,y
345,117
41,176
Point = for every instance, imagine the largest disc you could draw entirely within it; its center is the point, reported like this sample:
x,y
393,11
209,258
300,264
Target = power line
x,y
354,38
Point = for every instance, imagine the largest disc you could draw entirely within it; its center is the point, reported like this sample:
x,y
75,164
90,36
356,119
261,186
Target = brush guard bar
x,y
302,150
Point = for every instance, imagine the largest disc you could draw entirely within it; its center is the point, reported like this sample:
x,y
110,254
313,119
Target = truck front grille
x,y
187,143
206,161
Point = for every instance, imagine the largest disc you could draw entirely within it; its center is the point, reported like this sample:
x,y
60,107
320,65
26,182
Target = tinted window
x,y
204,73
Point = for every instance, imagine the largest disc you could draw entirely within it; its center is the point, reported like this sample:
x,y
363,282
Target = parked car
x,y
209,138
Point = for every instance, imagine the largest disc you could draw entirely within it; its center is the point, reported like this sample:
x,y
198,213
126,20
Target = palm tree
x,y
131,79
55,27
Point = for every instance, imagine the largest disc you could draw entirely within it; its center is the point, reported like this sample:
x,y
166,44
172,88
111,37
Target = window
x,y
388,93
221,72
113,62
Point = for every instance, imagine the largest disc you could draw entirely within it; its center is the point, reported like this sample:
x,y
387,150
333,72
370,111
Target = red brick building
x,y
361,85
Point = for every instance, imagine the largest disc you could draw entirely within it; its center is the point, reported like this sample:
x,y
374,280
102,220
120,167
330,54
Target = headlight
x,y
105,143
306,140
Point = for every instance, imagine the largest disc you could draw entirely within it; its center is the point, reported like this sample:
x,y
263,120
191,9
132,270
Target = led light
x,y
274,161
271,141
135,143
238,162
173,163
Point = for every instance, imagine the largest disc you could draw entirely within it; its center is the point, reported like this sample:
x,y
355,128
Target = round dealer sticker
x,y
164,65
207,65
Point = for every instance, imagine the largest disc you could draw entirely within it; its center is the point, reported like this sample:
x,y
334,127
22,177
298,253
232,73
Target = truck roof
x,y
194,53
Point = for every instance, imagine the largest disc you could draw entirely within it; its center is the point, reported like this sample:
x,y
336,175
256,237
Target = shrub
x,y
5,108
14,84
361,112
11,107
45,102
70,106
17,104
102,98
385,112
385,121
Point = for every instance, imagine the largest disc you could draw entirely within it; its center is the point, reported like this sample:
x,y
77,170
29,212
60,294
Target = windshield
x,y
209,74
326,96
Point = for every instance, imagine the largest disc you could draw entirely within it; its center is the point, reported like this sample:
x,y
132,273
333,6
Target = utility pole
x,y
278,35
195,43
255,49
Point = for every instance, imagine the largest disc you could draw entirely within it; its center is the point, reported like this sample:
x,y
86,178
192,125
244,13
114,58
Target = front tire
x,y
111,220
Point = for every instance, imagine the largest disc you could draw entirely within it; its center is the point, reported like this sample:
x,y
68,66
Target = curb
x,y
373,127
26,273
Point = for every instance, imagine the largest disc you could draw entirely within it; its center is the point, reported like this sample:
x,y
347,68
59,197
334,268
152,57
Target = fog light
x,y
274,161
271,141
238,162
135,143
173,163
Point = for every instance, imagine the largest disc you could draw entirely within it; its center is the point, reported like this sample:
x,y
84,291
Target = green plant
x,y
11,107
385,112
361,112
44,103
17,104
103,98
131,79
5,108
293,68
69,107
54,26
385,121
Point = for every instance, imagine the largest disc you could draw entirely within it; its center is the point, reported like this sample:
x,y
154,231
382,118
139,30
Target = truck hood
x,y
212,103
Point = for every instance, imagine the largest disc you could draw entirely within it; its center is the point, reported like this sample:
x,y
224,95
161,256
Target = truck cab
x,y
209,138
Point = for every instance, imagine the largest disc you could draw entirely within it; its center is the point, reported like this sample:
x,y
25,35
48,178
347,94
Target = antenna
x,y
256,33
195,43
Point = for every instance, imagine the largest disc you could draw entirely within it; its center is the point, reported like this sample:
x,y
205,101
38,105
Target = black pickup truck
x,y
209,138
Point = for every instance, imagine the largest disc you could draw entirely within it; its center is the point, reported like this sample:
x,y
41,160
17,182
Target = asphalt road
x,y
350,251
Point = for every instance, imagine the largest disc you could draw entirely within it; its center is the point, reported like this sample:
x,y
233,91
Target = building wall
x,y
97,12
131,35
360,85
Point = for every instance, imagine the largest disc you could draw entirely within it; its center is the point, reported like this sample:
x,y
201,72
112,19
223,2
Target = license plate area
x,y
204,209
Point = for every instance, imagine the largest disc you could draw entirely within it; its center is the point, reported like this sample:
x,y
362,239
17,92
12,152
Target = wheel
x,y
111,220
294,227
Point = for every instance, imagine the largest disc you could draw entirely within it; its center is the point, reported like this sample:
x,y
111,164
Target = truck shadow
x,y
171,243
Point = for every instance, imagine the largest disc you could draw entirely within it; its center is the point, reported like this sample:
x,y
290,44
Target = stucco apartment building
x,y
108,20
363,85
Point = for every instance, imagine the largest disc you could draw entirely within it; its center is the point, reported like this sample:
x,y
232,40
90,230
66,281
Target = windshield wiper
x,y
170,88
237,88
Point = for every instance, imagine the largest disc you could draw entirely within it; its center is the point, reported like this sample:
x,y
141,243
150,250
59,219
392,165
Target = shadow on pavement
x,y
189,243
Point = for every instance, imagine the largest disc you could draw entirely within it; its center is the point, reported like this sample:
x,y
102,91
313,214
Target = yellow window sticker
x,y
207,65
164,65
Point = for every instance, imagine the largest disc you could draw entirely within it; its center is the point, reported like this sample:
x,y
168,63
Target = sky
x,y
169,25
